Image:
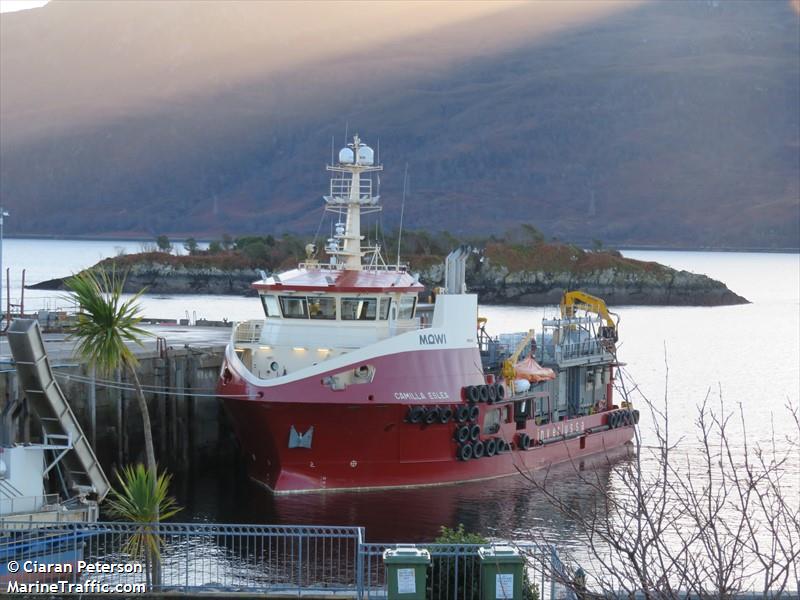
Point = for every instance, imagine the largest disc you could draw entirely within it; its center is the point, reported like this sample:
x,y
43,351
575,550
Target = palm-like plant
x,y
143,499
106,325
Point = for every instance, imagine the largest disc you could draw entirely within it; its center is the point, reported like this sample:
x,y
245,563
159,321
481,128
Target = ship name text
x,y
421,396
429,339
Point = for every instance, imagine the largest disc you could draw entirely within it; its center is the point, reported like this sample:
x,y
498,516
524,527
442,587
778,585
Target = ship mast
x,y
351,197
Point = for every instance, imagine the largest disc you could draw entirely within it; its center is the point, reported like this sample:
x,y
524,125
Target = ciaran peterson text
x,y
80,566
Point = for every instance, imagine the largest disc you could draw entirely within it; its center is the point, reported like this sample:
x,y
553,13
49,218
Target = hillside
x,y
665,123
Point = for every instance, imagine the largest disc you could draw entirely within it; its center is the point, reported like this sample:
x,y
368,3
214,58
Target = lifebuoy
x,y
490,447
462,434
477,449
492,393
465,452
462,413
474,432
445,414
474,413
432,415
415,414
501,391
523,441
473,394
483,392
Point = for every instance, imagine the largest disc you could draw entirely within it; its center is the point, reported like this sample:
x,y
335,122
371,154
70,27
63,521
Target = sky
x,y
12,5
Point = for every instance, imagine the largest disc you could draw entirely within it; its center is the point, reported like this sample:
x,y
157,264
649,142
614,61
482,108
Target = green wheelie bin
x,y
502,572
406,570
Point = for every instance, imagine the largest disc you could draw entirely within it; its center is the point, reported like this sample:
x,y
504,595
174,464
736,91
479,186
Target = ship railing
x,y
28,504
247,332
341,187
339,267
581,349
205,559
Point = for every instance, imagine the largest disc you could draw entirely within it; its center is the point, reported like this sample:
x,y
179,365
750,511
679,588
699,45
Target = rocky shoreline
x,y
494,284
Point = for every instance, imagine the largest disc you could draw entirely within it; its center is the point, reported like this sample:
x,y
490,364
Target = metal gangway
x,y
46,399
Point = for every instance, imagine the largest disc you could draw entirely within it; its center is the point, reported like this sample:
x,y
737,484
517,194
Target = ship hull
x,y
361,439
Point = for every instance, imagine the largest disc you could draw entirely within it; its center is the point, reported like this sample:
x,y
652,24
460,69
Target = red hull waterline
x,y
361,439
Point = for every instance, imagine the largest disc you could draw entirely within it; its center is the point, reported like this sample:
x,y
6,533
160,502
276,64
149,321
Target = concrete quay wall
x,y
190,429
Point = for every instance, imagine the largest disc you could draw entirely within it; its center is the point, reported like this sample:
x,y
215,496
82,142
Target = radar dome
x,y
366,156
346,156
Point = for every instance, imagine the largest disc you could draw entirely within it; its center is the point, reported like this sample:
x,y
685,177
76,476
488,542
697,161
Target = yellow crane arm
x,y
508,364
572,301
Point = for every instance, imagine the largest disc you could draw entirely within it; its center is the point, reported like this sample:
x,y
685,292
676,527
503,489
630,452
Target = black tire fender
x,y
415,414
462,434
473,393
474,413
462,413
477,449
483,392
465,452
491,390
490,447
432,415
445,414
474,432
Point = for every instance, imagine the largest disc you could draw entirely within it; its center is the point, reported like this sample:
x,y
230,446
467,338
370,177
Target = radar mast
x,y
351,197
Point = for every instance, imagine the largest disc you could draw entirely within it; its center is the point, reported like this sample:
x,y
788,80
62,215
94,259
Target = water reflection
x,y
507,507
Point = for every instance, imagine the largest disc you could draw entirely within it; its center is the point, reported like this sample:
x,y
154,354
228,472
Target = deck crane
x,y
572,301
511,361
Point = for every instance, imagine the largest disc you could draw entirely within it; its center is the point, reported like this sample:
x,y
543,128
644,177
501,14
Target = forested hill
x,y
660,123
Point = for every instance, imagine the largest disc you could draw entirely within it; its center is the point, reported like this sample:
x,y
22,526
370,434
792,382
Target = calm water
x,y
749,354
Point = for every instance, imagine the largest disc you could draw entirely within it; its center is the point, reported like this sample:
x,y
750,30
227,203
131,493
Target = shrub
x,y
442,580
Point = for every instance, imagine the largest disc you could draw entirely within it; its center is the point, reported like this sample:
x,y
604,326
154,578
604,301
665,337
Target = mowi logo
x,y
432,338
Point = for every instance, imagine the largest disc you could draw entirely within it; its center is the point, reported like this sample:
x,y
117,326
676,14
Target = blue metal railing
x,y
198,558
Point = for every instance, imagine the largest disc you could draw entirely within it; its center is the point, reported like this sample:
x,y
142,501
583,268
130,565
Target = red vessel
x,y
349,383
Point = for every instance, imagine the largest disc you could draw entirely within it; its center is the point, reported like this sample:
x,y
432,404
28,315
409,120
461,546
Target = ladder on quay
x,y
46,399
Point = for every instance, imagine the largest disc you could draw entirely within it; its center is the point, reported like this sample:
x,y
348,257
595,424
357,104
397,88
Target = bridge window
x,y
384,308
322,307
406,310
359,309
294,307
271,308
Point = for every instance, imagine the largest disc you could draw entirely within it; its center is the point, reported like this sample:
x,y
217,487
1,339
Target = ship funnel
x,y
455,269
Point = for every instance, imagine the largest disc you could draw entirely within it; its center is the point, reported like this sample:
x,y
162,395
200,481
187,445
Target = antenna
x,y
332,155
346,132
402,212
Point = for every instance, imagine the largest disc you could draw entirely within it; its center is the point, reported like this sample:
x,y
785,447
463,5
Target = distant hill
x,y
664,123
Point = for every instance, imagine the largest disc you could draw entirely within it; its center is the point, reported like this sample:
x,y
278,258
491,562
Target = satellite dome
x,y
346,156
366,156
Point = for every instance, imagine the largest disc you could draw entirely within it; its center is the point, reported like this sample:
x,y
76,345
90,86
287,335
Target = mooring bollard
x,y
502,572
406,572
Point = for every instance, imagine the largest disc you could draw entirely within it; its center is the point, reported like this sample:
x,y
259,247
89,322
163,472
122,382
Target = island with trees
x,y
519,268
